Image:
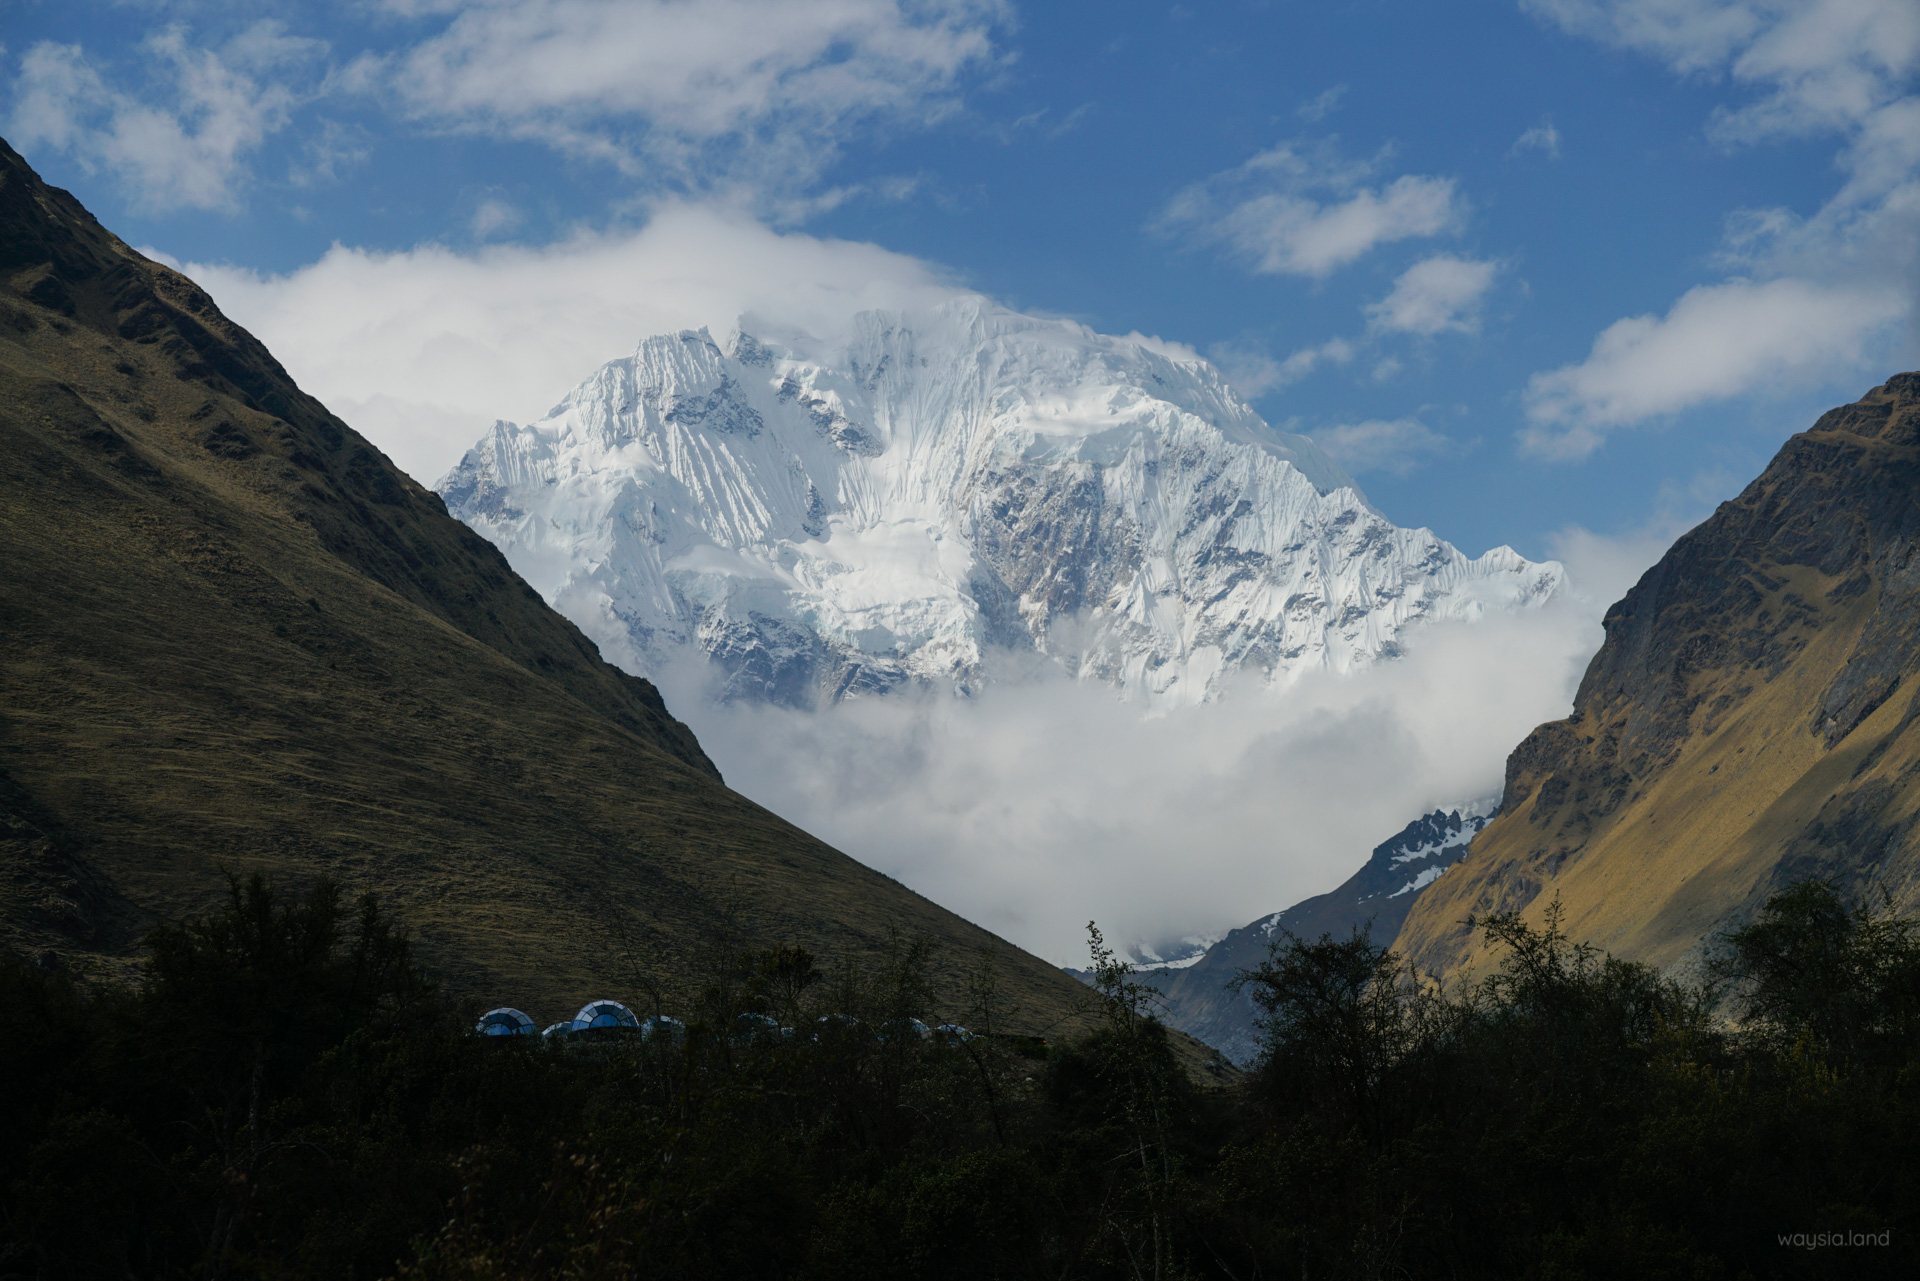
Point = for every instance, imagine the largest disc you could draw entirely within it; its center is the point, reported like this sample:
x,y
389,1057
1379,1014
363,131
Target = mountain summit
x,y
946,492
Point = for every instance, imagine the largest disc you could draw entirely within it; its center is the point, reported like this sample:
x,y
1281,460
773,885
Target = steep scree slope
x,y
236,637
1753,717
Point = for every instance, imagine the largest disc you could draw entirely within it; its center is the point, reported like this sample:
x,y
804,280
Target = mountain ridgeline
x,y
1198,997
238,639
1752,720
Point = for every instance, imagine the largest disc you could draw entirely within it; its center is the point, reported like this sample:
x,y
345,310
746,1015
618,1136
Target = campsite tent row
x,y
507,1021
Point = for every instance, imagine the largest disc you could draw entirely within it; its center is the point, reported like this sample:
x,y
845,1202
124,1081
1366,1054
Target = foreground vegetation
x,y
286,1096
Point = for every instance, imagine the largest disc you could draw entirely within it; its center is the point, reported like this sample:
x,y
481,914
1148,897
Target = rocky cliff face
x,y
1752,719
949,490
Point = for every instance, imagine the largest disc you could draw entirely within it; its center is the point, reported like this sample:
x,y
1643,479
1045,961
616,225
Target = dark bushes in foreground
x,y
285,1096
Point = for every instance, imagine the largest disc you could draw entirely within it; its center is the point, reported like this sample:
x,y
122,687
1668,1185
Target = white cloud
x,y
1690,35
1321,106
420,350
327,156
1037,806
1542,137
186,150
1296,211
775,82
1395,446
1434,296
751,98
1717,341
1821,64
1437,295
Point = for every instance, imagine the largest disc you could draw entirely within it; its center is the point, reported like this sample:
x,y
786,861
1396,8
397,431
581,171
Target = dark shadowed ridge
x,y
1752,720
236,637
1200,999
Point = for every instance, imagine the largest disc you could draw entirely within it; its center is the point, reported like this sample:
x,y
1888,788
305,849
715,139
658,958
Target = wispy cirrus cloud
x,y
1321,106
1437,295
1392,445
1306,211
1253,372
1542,137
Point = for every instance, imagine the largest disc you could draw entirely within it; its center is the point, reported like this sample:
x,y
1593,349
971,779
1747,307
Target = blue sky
x,y
1525,265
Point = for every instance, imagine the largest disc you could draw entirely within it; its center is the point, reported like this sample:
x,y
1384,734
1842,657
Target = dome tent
x,y
952,1032
557,1030
603,1013
832,1025
506,1021
662,1025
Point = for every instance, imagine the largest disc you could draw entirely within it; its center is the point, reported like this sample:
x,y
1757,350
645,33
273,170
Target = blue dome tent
x,y
905,1029
596,1014
506,1021
833,1025
664,1026
752,1025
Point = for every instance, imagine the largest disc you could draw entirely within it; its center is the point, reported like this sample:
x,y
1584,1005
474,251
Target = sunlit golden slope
x,y
1753,717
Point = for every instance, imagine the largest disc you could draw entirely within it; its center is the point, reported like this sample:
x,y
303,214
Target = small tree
x,y
1809,965
1141,1069
244,1003
1339,1016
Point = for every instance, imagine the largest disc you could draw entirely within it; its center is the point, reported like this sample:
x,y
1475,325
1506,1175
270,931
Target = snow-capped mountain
x,y
944,492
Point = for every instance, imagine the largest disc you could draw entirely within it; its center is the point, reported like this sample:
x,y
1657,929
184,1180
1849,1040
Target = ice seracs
x,y
942,495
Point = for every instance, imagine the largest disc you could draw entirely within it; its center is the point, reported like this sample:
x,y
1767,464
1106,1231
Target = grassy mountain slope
x,y
234,636
1752,719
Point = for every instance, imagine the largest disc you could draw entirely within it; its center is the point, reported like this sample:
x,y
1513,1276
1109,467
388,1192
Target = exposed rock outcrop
x,y
1752,719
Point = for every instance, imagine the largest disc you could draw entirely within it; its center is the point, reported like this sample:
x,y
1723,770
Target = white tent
x,y
506,1021
662,1025
604,1014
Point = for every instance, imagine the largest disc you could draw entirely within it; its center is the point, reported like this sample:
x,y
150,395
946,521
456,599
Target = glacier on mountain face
x,y
946,494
